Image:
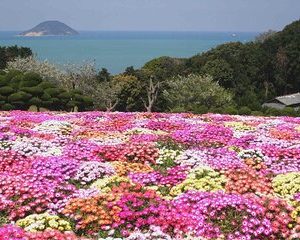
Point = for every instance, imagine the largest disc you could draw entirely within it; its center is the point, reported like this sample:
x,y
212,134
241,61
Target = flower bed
x,y
139,176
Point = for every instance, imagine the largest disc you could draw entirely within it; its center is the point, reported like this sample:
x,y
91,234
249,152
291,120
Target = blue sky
x,y
149,15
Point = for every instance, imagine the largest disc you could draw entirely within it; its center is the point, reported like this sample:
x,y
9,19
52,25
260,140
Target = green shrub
x,y
57,104
272,112
71,104
20,105
6,90
244,110
19,96
46,85
216,110
65,95
3,98
35,101
288,111
87,101
177,109
230,110
48,104
76,91
200,109
7,107
15,81
257,113
35,91
46,97
53,92
31,80
3,81
11,74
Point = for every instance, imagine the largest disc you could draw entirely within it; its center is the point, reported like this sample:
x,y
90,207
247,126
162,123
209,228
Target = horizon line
x,y
192,31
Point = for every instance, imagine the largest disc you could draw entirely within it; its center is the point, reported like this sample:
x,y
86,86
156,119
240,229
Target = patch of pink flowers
x,y
149,176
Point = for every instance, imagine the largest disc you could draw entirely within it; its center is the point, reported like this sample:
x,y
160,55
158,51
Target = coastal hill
x,y
50,28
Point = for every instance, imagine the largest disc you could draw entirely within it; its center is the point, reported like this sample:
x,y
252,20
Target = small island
x,y
50,28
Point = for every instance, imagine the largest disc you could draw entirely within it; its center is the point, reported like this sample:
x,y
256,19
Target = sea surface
x,y
118,50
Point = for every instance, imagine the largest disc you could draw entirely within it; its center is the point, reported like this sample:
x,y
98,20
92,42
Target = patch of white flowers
x,y
54,127
33,146
191,158
91,171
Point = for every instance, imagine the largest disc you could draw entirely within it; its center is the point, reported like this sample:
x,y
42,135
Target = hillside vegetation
x,y
249,73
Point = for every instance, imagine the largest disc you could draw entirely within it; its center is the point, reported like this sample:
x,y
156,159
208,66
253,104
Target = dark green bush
x,y
216,110
11,74
3,98
19,96
35,101
7,107
257,113
244,110
230,110
53,92
288,111
65,95
272,112
35,91
87,101
6,90
200,109
31,80
46,97
20,91
15,81
3,81
46,85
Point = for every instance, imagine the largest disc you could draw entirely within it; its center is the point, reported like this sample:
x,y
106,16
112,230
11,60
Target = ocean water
x,y
118,50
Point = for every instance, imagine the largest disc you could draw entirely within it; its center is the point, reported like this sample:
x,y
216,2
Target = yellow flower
x,y
40,222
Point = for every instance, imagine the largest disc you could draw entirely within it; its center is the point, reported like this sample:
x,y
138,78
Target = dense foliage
x,y
8,54
254,72
250,73
21,90
131,176
188,93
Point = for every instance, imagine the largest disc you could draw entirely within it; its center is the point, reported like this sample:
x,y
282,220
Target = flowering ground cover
x,y
139,176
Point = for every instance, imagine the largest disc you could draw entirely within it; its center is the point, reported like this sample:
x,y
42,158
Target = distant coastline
x,y
116,50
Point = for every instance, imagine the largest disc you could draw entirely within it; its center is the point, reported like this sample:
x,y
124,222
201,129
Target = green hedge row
x,y
21,90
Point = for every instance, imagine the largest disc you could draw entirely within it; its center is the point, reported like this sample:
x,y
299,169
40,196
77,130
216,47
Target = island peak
x,y
50,28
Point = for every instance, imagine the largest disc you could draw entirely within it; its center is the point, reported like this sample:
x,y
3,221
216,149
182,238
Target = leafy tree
x,y
107,95
103,75
220,70
129,71
131,93
195,90
164,67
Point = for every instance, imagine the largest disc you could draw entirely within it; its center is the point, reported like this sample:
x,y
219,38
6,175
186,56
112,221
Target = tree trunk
x,y
152,92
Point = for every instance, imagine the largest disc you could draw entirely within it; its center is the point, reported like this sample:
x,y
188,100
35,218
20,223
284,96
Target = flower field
x,y
139,176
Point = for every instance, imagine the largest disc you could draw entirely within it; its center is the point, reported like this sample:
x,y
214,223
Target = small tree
x,y
194,90
152,92
103,75
106,95
80,76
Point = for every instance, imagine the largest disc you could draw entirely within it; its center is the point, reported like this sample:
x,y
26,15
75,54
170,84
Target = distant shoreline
x,y
117,50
